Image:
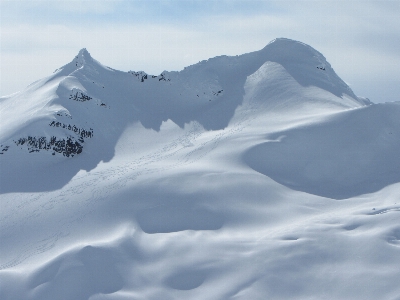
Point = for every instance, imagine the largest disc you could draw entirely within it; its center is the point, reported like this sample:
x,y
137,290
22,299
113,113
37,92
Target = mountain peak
x,y
308,66
82,57
289,48
84,52
283,40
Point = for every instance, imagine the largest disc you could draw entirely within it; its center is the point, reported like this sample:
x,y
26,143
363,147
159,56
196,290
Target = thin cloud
x,y
86,7
359,38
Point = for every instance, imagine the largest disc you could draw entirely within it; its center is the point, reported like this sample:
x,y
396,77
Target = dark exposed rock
x,y
67,146
163,78
79,96
217,93
142,76
83,133
3,149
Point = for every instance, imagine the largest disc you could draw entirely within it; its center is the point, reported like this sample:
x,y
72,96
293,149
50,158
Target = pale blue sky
x,y
361,39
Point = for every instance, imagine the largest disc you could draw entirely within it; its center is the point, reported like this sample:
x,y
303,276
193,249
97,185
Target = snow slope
x,y
249,177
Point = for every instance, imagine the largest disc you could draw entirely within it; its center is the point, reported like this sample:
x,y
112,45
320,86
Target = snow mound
x,y
352,153
305,64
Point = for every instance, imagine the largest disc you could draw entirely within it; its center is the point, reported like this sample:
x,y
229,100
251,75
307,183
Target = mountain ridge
x,y
209,79
84,107
234,178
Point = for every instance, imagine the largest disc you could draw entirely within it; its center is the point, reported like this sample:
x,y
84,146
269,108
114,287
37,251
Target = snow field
x,y
283,186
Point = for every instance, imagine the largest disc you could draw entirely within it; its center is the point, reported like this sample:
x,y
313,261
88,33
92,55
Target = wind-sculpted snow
x,y
216,182
301,61
183,216
353,153
90,270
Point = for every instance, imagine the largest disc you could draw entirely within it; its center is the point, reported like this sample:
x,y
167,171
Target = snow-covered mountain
x,y
220,181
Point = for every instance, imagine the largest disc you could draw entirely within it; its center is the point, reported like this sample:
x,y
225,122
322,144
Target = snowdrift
x,y
220,181
350,154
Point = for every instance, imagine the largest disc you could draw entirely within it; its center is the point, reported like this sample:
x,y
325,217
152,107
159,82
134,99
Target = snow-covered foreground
x,y
260,176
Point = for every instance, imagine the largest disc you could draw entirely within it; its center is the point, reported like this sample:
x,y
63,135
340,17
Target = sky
x,y
360,39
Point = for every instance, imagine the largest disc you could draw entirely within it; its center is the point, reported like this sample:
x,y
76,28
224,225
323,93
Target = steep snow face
x,y
219,181
274,89
302,61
